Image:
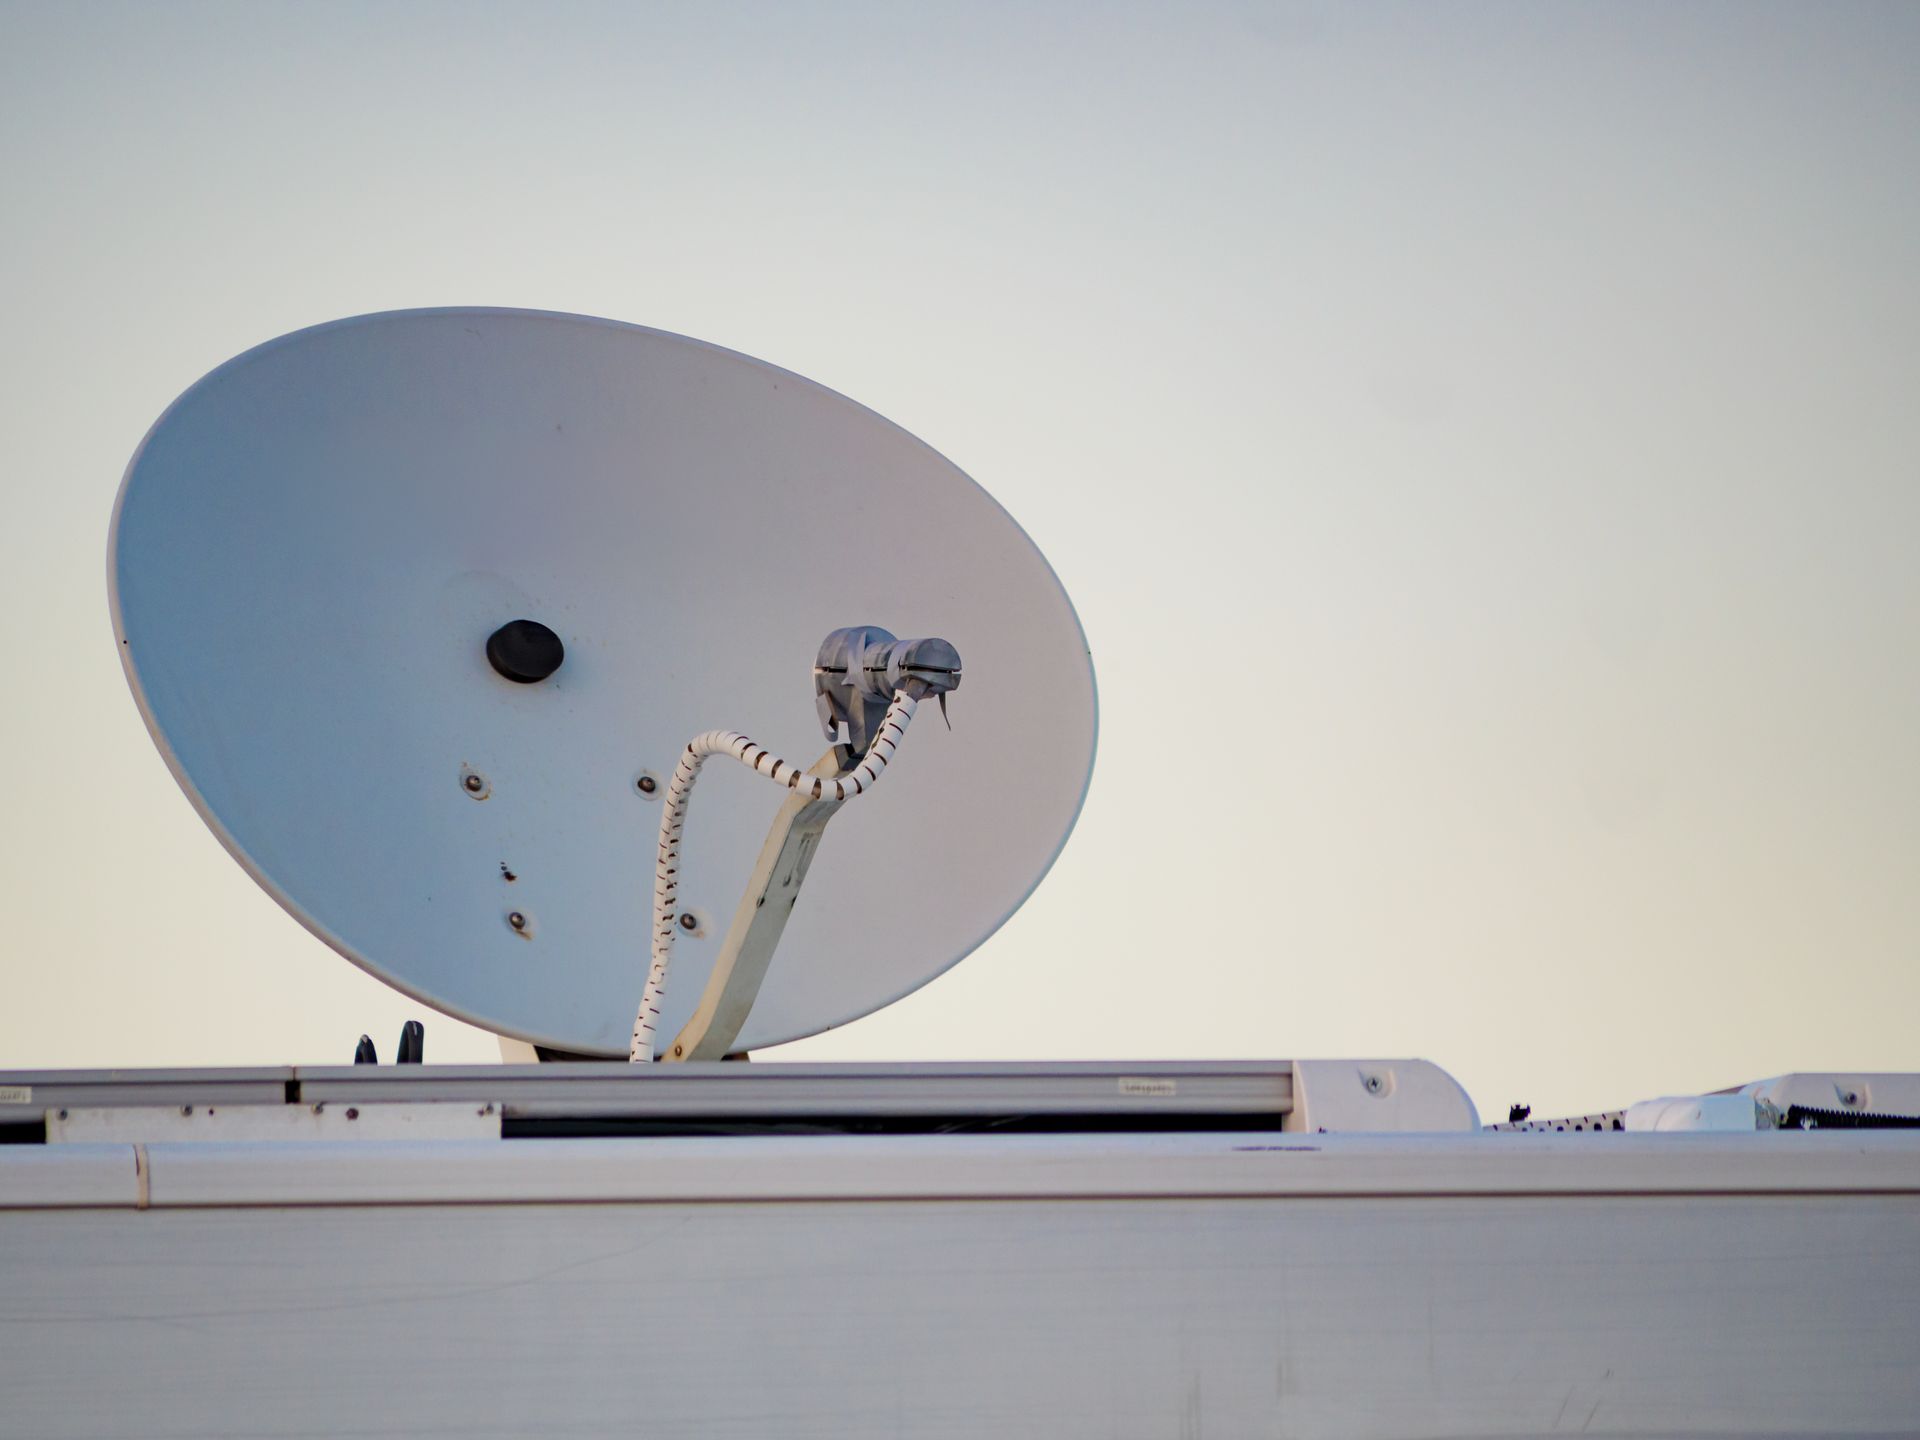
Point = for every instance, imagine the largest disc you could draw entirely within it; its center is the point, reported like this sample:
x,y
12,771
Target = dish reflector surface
x,y
313,546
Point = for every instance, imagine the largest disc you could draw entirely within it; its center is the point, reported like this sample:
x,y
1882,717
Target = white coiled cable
x,y
666,875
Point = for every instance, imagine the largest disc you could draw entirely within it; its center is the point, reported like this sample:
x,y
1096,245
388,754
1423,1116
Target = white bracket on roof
x,y
1820,1099
1377,1096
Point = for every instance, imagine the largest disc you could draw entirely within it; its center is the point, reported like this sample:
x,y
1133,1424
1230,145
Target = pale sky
x,y
1502,415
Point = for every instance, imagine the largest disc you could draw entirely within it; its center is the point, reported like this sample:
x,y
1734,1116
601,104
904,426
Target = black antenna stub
x,y
413,1044
525,651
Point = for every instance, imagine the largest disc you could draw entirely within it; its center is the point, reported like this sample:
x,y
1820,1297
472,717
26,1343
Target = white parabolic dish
x,y
313,544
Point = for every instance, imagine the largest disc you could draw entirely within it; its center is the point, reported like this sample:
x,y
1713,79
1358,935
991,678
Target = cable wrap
x,y
673,820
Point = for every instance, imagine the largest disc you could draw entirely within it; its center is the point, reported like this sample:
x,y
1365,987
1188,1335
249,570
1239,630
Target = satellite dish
x,y
422,608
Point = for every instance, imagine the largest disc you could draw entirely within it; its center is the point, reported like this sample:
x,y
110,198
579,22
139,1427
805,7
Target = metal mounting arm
x,y
758,922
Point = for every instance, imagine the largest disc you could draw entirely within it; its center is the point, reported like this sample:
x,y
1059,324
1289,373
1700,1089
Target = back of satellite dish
x,y
479,578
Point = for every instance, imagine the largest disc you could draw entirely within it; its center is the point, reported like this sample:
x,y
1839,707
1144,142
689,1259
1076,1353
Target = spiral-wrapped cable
x,y
673,819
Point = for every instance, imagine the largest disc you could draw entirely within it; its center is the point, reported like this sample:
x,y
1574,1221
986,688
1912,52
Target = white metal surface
x,y
1226,1165
36,1177
1363,1288
1698,1112
149,1124
315,541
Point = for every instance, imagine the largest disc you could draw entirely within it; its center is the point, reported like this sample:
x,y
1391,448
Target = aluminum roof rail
x,y
615,1097
1252,1091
